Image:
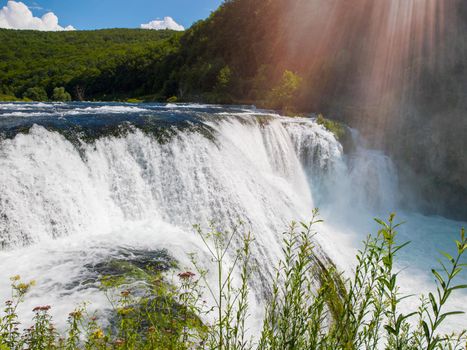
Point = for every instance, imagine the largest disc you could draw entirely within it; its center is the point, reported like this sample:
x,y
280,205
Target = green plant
x,y
224,78
35,94
285,93
231,303
60,94
294,312
333,126
444,289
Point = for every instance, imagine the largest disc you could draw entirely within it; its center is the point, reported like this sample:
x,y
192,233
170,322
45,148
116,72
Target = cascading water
x,y
80,183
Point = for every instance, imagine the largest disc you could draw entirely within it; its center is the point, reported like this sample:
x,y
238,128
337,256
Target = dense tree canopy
x,y
86,63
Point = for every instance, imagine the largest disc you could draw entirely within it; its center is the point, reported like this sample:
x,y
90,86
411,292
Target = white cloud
x,y
16,15
166,23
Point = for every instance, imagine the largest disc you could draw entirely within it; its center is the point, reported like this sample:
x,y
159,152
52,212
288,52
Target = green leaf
x,y
381,222
390,330
439,278
461,286
434,306
426,330
451,313
456,271
401,246
448,256
399,224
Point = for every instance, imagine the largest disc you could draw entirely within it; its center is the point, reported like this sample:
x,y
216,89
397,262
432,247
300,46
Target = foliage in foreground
x,y
311,306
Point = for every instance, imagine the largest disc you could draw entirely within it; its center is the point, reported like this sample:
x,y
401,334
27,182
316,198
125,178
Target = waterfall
x,y
49,188
68,199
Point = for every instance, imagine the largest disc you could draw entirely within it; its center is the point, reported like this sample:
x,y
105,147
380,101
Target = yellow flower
x,y
22,286
15,278
98,334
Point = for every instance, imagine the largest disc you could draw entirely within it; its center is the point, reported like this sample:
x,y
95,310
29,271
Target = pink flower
x,y
186,275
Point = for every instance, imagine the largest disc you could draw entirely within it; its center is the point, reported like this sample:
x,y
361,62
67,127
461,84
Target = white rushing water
x,y
63,208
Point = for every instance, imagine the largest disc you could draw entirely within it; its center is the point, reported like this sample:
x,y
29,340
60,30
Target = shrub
x,y
224,78
35,94
60,94
333,126
285,93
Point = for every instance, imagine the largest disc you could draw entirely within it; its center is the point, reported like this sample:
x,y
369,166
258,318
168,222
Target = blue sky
x,y
94,14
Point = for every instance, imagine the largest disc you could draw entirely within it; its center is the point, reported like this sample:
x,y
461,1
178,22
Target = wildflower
x,y
98,334
186,275
22,286
15,278
76,314
42,308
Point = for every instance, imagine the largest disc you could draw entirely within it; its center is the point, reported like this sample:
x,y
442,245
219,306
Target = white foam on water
x,y
112,109
192,106
26,114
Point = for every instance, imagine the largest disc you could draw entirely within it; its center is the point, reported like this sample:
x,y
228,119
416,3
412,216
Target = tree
x,y
36,94
60,94
223,78
284,94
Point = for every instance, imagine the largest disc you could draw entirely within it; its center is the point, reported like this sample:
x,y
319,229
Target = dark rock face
x,y
129,263
152,260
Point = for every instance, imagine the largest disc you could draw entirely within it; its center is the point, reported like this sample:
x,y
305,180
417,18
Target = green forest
x,y
87,64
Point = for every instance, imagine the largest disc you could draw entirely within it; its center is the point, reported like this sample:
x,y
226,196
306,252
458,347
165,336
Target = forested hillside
x,y
86,63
